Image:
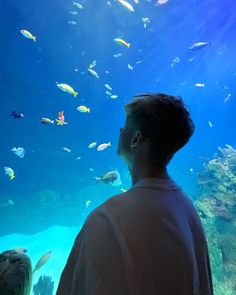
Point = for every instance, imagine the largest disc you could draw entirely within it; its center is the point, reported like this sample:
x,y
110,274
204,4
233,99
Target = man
x,y
149,240
15,273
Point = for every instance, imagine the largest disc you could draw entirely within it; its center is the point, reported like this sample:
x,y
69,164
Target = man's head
x,y
157,126
15,273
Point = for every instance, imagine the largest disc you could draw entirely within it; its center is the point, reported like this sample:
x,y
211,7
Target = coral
x,y
216,204
44,286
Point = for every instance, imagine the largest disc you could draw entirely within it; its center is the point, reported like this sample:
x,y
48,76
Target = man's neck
x,y
147,172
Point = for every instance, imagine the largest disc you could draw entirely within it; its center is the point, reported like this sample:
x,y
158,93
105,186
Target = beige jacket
x,y
147,241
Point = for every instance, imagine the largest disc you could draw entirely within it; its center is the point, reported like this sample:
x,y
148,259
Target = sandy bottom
x,y
58,239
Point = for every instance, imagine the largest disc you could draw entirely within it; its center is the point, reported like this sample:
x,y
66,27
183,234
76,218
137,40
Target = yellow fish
x,y
83,109
28,35
42,260
67,88
122,42
10,172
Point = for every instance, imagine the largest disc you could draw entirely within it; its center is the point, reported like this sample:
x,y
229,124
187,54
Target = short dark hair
x,y
165,120
15,273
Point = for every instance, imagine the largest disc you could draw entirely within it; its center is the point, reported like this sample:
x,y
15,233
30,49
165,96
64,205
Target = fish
x,y
67,88
111,177
126,4
20,151
199,85
46,121
210,124
20,250
87,203
78,5
73,12
123,190
199,45
10,172
83,109
65,149
227,97
103,146
114,96
175,61
229,146
92,145
130,67
93,64
93,73
72,22
121,42
17,115
145,21
28,35
61,119
116,55
78,158
108,87
42,260
108,93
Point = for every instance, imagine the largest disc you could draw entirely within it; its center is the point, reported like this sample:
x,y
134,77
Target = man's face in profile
x,y
125,140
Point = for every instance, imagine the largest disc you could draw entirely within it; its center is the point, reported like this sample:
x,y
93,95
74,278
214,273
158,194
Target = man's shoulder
x,y
115,202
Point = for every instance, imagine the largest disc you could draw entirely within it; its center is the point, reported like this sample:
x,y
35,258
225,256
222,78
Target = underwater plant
x,y
44,286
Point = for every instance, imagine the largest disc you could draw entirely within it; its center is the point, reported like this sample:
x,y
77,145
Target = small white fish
x,y
191,59
78,158
65,149
108,87
92,145
87,203
139,62
109,3
136,1
91,169
72,22
103,146
210,124
229,146
93,73
146,21
28,35
108,93
227,97
126,4
113,96
199,85
199,45
78,5
130,67
175,61
116,55
73,12
20,151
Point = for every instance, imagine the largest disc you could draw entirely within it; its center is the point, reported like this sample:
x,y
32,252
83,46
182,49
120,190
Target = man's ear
x,y
136,139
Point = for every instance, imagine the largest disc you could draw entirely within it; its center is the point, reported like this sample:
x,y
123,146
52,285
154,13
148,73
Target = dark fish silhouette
x,y
17,115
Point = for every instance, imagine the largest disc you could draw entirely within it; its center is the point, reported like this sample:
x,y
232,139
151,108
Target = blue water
x,y
30,70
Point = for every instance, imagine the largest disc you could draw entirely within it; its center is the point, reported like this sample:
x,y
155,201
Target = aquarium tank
x,y
67,70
